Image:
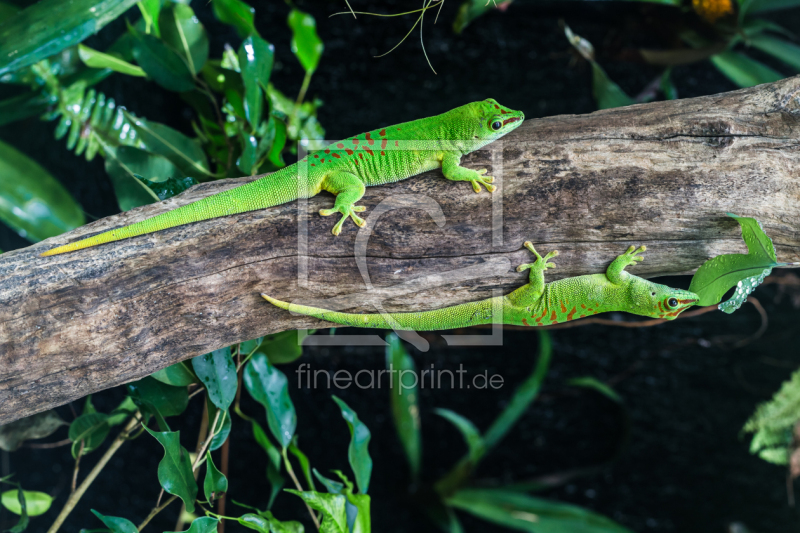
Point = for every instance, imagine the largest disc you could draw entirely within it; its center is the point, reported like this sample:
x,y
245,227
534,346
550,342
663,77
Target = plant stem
x,y
155,511
77,467
298,485
75,497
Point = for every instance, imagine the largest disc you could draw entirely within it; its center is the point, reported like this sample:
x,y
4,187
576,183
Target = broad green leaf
x,y
667,86
744,71
281,347
254,521
361,522
332,507
238,14
94,59
175,469
178,375
125,164
247,161
269,387
150,394
204,524
50,26
606,93
122,412
89,428
303,118
276,483
306,44
523,396
32,202
255,63
217,372
116,524
182,32
275,156
334,487
357,452
221,430
23,106
36,503
472,436
215,484
273,453
161,63
744,271
185,153
405,401
168,187
526,513
24,519
787,52
471,10
248,347
594,384
37,426
150,13
7,11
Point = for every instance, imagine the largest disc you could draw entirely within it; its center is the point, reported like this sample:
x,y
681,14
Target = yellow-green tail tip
x,y
273,301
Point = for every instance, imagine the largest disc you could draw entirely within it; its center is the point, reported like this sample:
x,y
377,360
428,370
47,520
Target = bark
x,y
661,174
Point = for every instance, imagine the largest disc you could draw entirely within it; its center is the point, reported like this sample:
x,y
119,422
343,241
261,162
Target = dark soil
x,y
670,460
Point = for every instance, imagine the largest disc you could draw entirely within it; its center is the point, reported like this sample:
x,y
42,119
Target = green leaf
x,y
273,453
269,387
37,426
150,11
7,11
89,428
121,412
161,63
606,93
594,384
357,452
472,436
305,464
151,394
247,161
23,106
334,487
24,519
178,375
281,347
332,507
32,202
760,6
125,164
116,524
182,32
50,26
221,431
523,396
36,503
175,469
185,153
236,13
306,44
204,524
787,52
405,398
743,70
471,10
255,62
94,59
215,484
168,187
254,521
526,513
717,275
217,372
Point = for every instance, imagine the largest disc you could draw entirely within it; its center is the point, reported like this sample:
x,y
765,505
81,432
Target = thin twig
x,y
298,485
75,497
155,511
224,469
77,467
48,445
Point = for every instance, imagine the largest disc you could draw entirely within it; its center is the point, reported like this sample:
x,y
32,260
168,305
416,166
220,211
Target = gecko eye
x,y
496,125
672,302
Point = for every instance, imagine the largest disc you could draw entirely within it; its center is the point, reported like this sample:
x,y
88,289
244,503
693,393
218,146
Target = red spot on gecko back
x,y
337,156
553,316
349,151
316,155
563,309
321,160
395,143
327,151
383,153
355,141
339,145
313,165
369,139
368,150
583,306
496,106
571,313
543,313
360,155
383,143
382,133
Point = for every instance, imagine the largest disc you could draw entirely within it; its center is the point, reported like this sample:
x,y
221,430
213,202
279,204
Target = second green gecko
x,y
535,304
345,168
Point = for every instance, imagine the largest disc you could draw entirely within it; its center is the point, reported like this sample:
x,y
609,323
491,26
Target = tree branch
x,y
660,174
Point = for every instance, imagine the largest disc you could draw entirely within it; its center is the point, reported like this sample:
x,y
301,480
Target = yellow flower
x,y
711,10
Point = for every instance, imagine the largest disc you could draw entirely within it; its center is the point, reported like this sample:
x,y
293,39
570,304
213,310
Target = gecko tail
x,y
277,188
457,316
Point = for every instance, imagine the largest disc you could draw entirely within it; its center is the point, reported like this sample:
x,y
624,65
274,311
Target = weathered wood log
x,y
660,174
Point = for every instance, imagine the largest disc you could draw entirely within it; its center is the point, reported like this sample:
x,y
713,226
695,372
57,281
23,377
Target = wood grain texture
x,y
660,174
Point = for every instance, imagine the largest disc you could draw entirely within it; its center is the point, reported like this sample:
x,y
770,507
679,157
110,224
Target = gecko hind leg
x,y
526,295
616,270
348,189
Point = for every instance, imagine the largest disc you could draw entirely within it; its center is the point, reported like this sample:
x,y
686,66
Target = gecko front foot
x,y
481,179
346,211
541,263
616,270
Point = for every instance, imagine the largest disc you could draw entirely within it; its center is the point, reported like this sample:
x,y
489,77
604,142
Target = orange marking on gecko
x,y
370,152
369,139
313,165
583,306
360,155
543,313
349,151
553,316
383,153
383,143
686,301
581,316
317,156
660,308
382,133
395,143
355,141
337,156
563,309
571,313
339,145
321,160
525,322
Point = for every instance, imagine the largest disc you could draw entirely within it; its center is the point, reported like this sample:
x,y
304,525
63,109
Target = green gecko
x,y
535,304
345,168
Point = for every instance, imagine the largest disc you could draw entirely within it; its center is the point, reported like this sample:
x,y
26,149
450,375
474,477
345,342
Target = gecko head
x,y
659,301
487,120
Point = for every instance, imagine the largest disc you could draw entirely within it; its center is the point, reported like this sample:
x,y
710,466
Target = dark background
x,y
683,465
